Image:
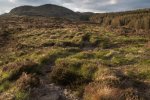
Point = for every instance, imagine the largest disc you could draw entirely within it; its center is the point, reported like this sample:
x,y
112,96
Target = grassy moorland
x,y
93,62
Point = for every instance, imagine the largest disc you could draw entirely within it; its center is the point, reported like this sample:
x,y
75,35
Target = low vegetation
x,y
93,61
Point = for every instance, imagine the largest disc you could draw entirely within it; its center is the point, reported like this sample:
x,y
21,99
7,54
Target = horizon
x,y
96,6
80,11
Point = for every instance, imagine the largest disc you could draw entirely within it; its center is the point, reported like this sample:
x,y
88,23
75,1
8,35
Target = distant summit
x,y
47,10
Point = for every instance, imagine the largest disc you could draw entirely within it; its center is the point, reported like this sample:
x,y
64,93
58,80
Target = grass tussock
x,y
95,62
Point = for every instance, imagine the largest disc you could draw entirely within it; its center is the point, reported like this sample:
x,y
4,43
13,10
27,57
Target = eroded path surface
x,y
50,91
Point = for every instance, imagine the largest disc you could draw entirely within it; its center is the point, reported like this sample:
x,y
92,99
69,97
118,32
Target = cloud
x,y
80,5
113,2
12,1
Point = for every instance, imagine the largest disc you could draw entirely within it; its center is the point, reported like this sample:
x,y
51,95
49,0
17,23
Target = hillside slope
x,y
65,60
47,10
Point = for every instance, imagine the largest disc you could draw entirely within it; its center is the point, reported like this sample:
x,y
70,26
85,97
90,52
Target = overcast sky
x,y
80,5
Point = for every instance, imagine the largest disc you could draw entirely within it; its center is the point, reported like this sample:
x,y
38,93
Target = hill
x,y
47,10
53,58
136,19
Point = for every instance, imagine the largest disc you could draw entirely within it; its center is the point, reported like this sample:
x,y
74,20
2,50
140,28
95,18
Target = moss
x,y
121,60
141,72
54,54
83,55
145,62
131,40
21,95
4,76
132,49
4,86
101,54
144,75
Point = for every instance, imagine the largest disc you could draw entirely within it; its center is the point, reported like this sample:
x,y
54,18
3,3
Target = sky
x,y
80,5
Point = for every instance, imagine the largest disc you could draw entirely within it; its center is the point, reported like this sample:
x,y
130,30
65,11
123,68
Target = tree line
x,y
138,19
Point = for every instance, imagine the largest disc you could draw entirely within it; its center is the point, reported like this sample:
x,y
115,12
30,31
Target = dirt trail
x,y
50,91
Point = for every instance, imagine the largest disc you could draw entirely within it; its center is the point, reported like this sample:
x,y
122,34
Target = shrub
x,y
27,81
14,70
72,71
65,71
